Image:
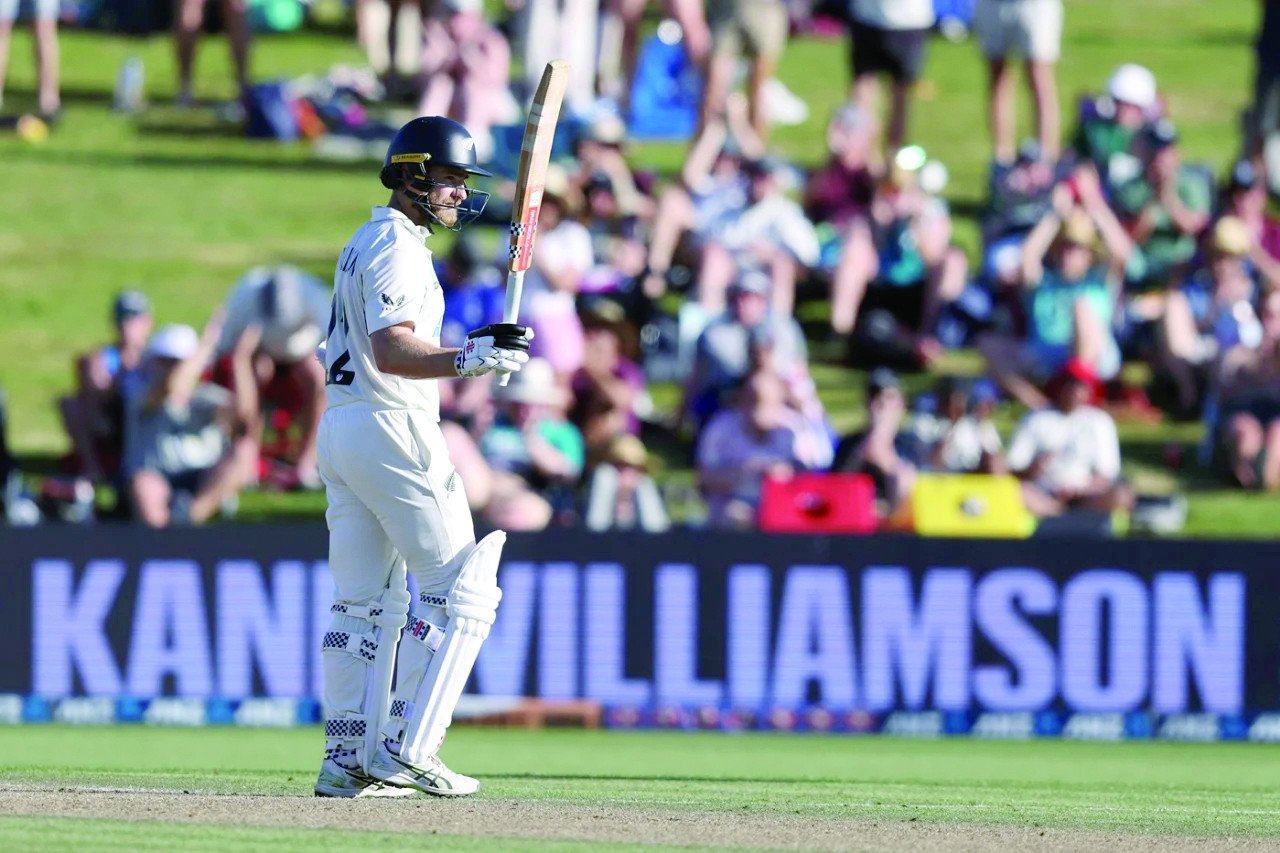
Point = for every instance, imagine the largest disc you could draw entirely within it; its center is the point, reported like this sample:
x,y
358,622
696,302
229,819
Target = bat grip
x,y
511,308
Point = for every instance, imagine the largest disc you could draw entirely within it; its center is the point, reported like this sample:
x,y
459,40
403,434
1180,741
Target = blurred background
x,y
803,265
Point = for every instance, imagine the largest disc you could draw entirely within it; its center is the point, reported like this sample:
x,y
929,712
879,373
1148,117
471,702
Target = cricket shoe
x,y
433,778
338,780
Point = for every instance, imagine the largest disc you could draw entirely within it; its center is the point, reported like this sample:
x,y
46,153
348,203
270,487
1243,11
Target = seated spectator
x,y
1109,127
466,64
554,280
106,379
1068,454
608,387
883,450
800,392
474,292
722,355
957,438
771,234
291,311
711,192
755,438
531,446
1019,194
601,154
186,448
622,495
900,262
1249,402
1211,312
616,240
1164,209
1244,196
1070,297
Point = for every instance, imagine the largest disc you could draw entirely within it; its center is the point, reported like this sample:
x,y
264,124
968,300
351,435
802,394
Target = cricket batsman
x,y
396,504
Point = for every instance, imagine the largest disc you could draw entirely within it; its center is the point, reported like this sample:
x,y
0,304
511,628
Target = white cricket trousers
x,y
393,494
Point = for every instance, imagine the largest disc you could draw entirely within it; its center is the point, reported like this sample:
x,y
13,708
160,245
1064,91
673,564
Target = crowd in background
x,y
1100,248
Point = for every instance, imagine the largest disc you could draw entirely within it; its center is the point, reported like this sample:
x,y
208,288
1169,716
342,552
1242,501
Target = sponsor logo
x,y
1012,726
1265,728
175,712
1094,727
267,713
93,711
10,709
914,724
1194,727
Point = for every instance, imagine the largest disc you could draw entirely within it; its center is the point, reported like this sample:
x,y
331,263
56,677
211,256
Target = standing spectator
x,y
106,380
722,355
756,29
1070,292
1068,454
1249,397
888,37
565,255
188,18
1032,28
465,67
883,450
289,312
756,438
44,26
620,42
559,29
186,449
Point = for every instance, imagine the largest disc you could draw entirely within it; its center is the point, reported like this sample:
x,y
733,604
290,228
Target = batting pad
x,y
472,608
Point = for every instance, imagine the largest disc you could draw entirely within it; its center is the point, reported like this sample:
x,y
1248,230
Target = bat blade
x,y
535,153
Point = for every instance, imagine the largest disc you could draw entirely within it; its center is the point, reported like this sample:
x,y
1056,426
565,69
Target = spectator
x,y
754,439
1244,196
888,37
44,26
756,29
770,234
559,29
188,19
465,67
1110,125
1249,399
1070,295
607,389
186,452
722,354
622,494
1019,194
564,257
473,292
1164,209
1068,454
1032,28
883,450
616,241
531,445
838,193
106,380
900,261
602,155
1211,312
958,438
620,42
290,312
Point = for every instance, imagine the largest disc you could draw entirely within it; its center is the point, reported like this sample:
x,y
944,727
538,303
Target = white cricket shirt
x,y
384,277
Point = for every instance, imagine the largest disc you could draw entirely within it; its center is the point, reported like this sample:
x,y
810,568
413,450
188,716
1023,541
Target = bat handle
x,y
511,309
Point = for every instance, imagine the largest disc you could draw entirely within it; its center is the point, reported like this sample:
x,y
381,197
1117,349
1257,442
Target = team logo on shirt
x,y
391,303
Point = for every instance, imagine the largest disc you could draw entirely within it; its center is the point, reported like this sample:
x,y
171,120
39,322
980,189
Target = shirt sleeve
x,y
241,311
394,284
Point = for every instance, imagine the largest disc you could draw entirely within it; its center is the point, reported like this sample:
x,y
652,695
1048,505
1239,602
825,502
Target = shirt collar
x,y
381,212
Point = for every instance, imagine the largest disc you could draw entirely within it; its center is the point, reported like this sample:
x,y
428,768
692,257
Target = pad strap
x,y
345,728
361,645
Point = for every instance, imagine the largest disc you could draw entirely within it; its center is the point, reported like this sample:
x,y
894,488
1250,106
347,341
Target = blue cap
x,y
131,303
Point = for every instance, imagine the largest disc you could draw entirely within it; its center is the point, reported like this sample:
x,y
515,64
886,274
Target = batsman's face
x,y
448,192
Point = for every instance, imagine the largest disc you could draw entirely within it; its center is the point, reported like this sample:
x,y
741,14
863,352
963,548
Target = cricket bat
x,y
531,176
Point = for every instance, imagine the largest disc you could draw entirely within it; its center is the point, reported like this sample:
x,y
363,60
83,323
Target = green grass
x,y
181,206
1198,790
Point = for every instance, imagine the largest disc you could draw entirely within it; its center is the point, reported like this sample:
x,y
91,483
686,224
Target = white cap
x,y
176,341
1133,84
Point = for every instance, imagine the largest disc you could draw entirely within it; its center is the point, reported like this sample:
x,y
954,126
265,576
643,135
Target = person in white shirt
x,y
396,502
1068,454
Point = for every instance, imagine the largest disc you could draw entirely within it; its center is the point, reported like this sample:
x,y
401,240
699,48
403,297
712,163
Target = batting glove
x,y
496,348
